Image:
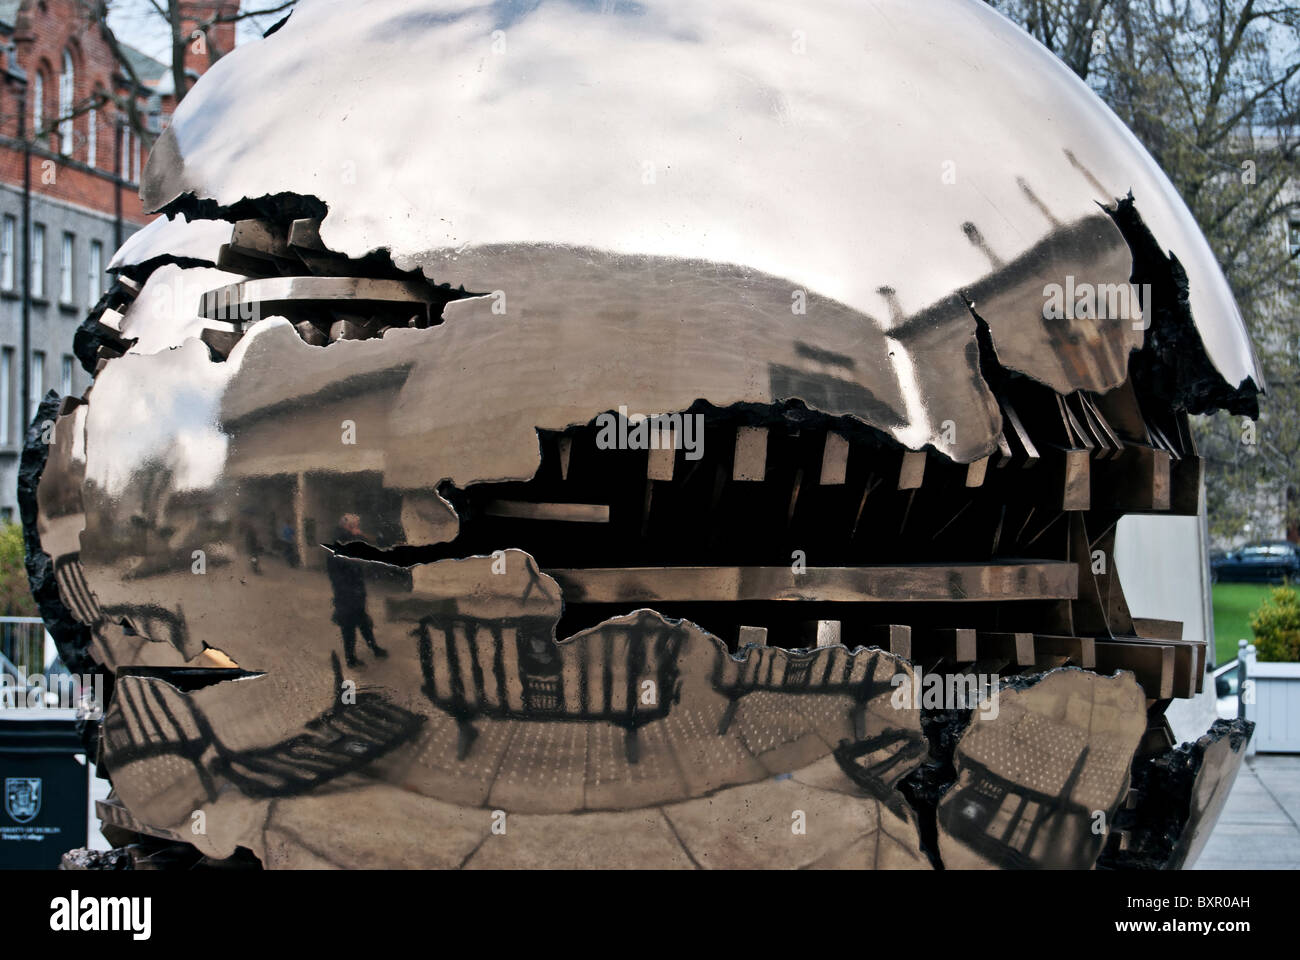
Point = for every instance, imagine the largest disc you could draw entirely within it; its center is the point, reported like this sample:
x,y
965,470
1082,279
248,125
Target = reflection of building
x,y
309,477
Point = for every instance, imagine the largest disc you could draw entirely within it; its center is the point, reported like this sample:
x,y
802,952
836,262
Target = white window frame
x,y
38,378
92,138
8,239
95,273
6,394
67,262
38,103
38,260
67,97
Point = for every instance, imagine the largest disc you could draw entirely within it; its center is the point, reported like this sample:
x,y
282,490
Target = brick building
x,y
62,99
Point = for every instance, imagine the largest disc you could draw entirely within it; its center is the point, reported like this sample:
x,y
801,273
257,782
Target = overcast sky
x,y
137,22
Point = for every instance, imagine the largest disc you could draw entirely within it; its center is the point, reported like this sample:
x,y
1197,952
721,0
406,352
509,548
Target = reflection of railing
x,y
1013,824
541,694
511,667
74,589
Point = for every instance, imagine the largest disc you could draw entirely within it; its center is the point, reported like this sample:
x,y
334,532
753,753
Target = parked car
x,y
1258,563
1225,690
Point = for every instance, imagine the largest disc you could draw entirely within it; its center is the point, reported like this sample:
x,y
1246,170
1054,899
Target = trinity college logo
x,y
23,798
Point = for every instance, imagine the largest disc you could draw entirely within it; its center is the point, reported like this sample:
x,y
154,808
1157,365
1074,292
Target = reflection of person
x,y
350,594
252,546
288,543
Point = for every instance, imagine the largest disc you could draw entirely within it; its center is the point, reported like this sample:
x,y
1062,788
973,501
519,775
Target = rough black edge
x,y
280,207
1173,366
70,635
87,859
1163,785
278,25
91,334
283,209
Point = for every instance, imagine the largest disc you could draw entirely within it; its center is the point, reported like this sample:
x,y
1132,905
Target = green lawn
x,y
1233,605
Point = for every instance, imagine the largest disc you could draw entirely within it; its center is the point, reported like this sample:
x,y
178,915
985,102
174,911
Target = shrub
x,y
1276,625
15,596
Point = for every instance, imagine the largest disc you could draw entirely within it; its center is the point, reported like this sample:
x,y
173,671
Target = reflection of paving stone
x,y
640,839
708,761
613,783
556,767
891,847
751,827
545,768
435,771
777,733
367,827
829,714
826,774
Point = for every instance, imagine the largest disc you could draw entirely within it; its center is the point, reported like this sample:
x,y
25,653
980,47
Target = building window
x,y
92,138
95,274
38,104
38,378
124,161
135,156
65,376
67,86
6,393
65,268
7,233
1293,237
38,260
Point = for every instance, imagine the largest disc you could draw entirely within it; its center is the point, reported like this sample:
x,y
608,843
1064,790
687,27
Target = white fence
x,y
1273,702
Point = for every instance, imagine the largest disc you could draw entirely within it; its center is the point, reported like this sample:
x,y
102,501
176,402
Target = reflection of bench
x,y
512,668
1014,825
541,694
797,670
146,724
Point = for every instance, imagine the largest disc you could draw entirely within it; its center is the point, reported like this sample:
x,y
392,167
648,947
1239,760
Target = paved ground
x,y
1260,826
1258,830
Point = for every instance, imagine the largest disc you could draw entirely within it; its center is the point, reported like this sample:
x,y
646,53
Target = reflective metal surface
x,y
175,239
363,557
1033,782
884,157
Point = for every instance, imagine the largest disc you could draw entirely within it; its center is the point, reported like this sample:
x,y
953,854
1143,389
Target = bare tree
x,y
1212,89
183,29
